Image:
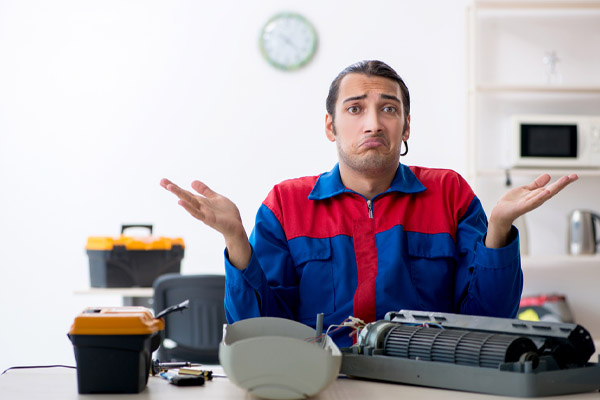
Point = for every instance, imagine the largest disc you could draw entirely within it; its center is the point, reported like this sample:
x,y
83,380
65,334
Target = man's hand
x,y
519,201
219,213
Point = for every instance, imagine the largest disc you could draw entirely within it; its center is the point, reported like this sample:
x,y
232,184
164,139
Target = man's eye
x,y
353,109
389,109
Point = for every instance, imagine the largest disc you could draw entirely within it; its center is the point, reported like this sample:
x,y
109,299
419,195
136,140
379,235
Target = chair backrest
x,y
193,334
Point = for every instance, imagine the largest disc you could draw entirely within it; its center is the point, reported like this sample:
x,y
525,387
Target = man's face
x,y
369,124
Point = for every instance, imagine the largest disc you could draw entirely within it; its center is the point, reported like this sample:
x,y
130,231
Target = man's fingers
x,y
555,187
182,194
170,186
198,186
202,189
200,206
165,182
539,182
192,203
195,211
536,193
562,183
539,196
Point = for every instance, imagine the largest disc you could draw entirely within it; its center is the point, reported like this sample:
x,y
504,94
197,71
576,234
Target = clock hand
x,y
288,42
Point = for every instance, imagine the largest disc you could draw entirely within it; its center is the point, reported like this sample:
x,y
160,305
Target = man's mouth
x,y
372,142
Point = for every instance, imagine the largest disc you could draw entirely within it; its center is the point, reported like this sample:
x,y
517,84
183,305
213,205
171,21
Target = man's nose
x,y
372,122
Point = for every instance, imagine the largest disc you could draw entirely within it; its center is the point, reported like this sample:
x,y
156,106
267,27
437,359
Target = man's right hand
x,y
219,213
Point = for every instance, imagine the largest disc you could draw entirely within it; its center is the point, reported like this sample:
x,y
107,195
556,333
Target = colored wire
x,y
38,366
425,324
351,322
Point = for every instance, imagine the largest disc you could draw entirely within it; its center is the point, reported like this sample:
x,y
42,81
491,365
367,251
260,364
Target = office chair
x,y
193,334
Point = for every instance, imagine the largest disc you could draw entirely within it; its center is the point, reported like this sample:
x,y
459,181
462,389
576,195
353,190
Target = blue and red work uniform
x,y
319,247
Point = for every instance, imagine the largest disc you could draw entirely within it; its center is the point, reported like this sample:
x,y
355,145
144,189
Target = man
x,y
372,235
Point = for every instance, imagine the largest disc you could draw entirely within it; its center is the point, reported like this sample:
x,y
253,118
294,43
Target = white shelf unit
x,y
538,89
576,277
506,44
535,172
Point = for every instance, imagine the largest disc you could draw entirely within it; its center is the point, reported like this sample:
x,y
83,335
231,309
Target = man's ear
x,y
329,127
406,133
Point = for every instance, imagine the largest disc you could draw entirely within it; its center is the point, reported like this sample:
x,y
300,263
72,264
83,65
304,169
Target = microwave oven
x,y
555,141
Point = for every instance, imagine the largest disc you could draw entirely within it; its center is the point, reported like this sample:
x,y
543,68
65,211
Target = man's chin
x,y
373,165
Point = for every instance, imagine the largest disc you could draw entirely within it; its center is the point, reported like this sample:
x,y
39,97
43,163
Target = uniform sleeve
x,y
488,281
268,286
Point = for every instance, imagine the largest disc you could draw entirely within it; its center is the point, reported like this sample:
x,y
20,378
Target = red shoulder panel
x,y
436,210
317,219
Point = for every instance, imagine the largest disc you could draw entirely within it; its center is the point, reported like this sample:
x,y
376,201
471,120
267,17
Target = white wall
x,y
101,99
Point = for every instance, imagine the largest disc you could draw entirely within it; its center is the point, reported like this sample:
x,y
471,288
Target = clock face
x,y
288,41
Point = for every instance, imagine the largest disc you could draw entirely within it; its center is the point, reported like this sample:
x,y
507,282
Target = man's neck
x,y
368,185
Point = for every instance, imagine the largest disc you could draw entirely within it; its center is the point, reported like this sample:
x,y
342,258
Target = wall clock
x,y
288,41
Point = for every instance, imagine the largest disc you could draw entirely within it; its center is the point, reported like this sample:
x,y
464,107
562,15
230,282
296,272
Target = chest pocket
x,y
431,262
314,271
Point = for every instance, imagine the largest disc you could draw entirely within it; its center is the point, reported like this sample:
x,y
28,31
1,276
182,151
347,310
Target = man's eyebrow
x,y
364,96
390,97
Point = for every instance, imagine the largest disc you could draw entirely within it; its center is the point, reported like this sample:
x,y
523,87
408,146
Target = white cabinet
x,y
531,57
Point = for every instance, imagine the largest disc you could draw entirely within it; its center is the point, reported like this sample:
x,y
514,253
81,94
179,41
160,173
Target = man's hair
x,y
369,68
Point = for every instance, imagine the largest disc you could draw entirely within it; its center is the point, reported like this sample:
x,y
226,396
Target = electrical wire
x,y
356,325
351,322
426,324
38,366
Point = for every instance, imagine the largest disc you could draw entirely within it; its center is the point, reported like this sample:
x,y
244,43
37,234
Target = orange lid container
x,y
133,243
146,243
116,321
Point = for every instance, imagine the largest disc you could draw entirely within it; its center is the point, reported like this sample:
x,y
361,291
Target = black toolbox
x,y
127,261
113,348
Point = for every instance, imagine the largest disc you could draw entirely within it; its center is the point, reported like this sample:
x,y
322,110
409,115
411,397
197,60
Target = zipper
x,y
370,207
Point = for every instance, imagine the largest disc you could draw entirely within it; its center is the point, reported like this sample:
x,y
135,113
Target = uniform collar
x,y
330,183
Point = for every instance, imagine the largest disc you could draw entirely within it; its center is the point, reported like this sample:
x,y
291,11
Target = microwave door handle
x,y
596,218
581,144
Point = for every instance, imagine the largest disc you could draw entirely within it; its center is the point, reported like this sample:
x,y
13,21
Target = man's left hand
x,y
519,201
